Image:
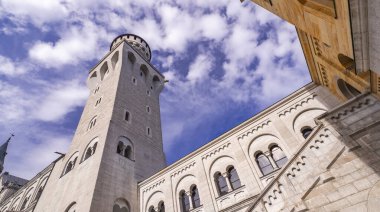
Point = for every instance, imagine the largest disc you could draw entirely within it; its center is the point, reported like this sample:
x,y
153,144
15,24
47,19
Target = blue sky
x,y
225,61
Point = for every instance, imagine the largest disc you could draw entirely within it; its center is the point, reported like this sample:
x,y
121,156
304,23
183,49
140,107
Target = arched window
x,y
92,123
144,71
151,209
72,207
264,164
125,148
221,184
114,59
104,71
347,62
161,207
347,90
306,131
121,205
195,197
184,200
131,57
94,148
278,156
233,177
120,147
70,165
88,153
128,152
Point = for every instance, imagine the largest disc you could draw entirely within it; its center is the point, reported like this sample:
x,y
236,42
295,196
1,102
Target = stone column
x,y
226,175
269,156
188,193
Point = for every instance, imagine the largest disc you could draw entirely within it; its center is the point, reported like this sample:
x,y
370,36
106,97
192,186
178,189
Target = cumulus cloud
x,y
11,68
200,68
38,12
13,103
79,43
217,56
60,101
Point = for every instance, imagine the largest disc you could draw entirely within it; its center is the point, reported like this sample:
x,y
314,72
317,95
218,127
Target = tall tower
x,y
118,141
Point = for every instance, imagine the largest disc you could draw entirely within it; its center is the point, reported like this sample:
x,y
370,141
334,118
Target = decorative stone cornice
x,y
351,109
216,150
297,105
182,169
254,128
154,185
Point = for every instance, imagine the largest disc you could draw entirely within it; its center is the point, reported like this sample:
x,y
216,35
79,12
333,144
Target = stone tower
x,y
118,141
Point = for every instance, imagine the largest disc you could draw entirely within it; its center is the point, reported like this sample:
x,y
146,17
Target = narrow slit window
x,y
127,116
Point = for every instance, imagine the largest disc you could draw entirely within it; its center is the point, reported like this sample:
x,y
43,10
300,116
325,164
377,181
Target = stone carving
x,y
351,109
255,128
154,185
296,105
216,150
183,169
324,76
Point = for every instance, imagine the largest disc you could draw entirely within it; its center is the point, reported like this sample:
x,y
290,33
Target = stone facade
x,y
21,195
279,125
315,150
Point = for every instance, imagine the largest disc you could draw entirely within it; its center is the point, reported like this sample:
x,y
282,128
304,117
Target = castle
x,y
315,150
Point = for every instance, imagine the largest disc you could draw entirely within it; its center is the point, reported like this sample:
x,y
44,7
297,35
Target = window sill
x,y
231,192
122,156
197,209
269,175
232,197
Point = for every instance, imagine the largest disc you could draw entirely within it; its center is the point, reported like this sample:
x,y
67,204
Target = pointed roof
x,y
3,152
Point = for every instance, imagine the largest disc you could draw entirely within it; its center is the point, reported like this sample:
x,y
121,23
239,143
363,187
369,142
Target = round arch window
x,y
306,131
347,90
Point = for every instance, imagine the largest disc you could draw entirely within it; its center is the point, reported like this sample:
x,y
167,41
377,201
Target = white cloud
x,y
177,30
213,26
78,44
13,103
200,68
38,12
11,68
61,101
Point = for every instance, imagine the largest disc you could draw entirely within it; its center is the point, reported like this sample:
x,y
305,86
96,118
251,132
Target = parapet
x,y
136,42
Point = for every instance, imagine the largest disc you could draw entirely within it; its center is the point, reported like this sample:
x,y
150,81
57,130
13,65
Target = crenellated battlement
x,y
137,42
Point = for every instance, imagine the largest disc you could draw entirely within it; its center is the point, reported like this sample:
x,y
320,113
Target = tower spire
x,y
3,152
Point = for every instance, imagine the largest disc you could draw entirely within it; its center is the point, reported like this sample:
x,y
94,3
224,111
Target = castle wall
x,y
278,125
26,197
337,169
